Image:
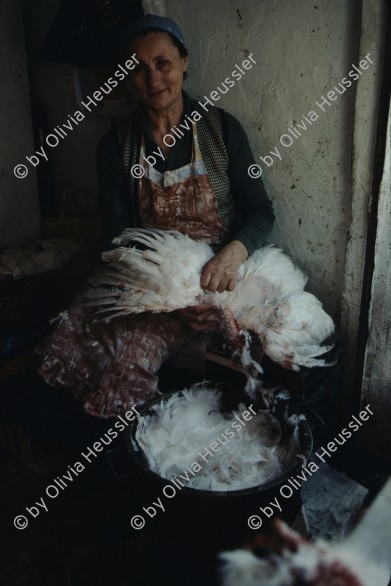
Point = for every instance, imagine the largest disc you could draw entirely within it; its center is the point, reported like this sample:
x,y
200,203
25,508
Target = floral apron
x,y
181,200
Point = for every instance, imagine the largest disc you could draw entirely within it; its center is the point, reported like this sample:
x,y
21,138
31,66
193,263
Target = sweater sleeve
x,y
113,189
249,194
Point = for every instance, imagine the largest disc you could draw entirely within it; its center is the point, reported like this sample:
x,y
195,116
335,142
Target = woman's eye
x,y
162,64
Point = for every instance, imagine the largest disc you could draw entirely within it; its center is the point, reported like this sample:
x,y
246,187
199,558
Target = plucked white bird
x,y
159,271
285,557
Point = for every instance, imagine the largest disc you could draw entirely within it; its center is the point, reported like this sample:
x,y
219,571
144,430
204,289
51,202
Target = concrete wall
x,y
377,368
302,50
19,209
372,38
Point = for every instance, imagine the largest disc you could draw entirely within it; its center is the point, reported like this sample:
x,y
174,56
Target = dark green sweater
x,y
256,210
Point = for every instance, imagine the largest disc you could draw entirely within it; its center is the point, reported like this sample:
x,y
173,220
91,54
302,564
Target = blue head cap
x,y
151,21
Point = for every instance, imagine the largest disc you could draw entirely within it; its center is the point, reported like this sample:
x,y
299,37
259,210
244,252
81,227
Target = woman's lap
x,y
109,366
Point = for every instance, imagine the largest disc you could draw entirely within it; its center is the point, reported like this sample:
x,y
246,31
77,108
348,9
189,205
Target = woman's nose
x,y
152,76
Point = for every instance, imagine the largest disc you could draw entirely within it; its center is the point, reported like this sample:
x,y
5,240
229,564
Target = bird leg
x,y
229,327
240,338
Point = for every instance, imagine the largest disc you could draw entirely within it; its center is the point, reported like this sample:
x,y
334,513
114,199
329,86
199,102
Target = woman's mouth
x,y
157,93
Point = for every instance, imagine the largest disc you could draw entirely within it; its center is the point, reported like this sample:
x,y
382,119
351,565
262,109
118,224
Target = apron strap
x,y
130,142
215,157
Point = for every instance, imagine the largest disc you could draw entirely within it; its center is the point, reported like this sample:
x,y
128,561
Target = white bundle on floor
x,y
182,429
311,563
361,559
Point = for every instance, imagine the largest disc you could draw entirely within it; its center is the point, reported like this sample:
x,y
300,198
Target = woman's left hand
x,y
220,273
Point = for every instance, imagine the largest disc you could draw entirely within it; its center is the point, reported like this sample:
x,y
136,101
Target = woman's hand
x,y
198,317
220,273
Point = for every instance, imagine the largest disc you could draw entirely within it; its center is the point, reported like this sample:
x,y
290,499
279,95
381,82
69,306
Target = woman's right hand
x,y
199,318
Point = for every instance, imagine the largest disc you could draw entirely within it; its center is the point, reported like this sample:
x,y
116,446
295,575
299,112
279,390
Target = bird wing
x,y
157,271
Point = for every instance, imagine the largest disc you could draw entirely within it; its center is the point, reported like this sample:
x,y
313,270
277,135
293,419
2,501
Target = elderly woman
x,y
199,186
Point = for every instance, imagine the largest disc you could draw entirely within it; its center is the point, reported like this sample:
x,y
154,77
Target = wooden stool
x,y
211,348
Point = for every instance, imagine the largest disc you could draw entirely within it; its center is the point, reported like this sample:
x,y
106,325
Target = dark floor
x,y
74,543
84,539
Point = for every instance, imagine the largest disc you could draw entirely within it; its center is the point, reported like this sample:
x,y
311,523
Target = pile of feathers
x,y
186,437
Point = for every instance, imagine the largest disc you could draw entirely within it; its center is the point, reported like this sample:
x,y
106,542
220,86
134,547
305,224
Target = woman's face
x,y
158,78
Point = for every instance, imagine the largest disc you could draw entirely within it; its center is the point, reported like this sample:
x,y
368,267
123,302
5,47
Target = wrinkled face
x,y
158,78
